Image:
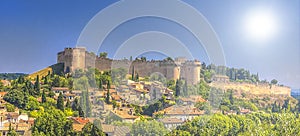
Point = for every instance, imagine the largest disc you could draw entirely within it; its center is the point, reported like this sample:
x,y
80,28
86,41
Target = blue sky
x,y
32,32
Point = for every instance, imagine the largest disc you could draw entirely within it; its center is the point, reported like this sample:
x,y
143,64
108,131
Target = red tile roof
x,y
3,93
80,120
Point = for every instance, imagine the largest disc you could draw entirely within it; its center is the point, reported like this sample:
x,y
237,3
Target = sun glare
x,y
260,25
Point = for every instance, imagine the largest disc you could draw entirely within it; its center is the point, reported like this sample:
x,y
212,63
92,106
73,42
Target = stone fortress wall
x,y
79,58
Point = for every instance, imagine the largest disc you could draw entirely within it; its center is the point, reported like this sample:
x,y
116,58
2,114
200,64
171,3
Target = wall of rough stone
x,y
79,58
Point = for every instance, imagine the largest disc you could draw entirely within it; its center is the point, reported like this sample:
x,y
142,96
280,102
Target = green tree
x,y
68,104
37,86
132,74
177,88
143,58
16,97
32,104
75,104
10,107
80,111
148,128
103,55
60,102
274,81
137,77
52,122
231,97
100,85
90,129
11,131
43,97
85,103
107,99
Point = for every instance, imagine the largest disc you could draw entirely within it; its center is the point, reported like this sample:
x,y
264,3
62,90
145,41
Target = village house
x,y
69,96
124,114
245,111
108,129
57,90
181,112
171,123
78,123
111,130
20,123
6,83
220,78
76,92
191,100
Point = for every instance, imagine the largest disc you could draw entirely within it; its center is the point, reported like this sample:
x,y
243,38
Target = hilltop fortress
x,y
79,58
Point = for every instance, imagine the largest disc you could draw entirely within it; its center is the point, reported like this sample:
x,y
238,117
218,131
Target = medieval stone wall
x,y
79,58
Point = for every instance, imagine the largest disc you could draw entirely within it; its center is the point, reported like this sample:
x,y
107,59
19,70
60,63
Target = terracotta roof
x,y
124,113
3,93
171,121
116,97
193,98
39,99
111,91
80,120
31,121
107,128
78,127
181,110
5,82
69,94
141,90
111,86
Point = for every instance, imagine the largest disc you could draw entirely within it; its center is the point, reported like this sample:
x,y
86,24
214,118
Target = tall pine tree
x,y
177,88
43,97
108,93
60,102
100,85
132,74
137,77
37,86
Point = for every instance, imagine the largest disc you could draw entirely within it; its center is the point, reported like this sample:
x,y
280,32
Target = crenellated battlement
x,y
79,58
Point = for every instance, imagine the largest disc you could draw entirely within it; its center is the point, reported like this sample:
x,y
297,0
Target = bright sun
x,y
260,25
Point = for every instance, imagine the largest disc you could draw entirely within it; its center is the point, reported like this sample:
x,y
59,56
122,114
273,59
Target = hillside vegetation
x,y
57,69
40,73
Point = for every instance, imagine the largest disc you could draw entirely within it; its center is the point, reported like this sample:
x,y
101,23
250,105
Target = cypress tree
x,y
100,85
60,102
177,88
80,111
132,74
37,86
231,97
68,104
43,97
107,93
185,88
137,77
75,105
88,104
